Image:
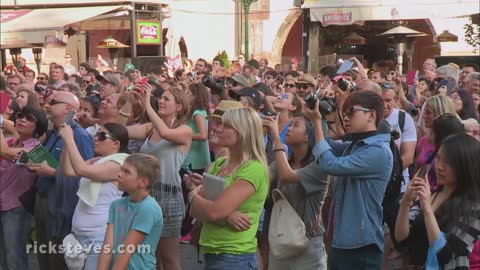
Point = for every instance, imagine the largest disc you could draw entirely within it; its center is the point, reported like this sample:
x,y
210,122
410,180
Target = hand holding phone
x,y
22,159
69,117
423,171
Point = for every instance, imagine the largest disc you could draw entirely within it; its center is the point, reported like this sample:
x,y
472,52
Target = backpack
x,y
391,198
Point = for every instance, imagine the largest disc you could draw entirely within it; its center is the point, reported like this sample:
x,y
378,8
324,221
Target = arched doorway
x,y
283,33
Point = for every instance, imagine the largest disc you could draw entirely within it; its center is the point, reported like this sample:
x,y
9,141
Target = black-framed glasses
x,y
53,101
349,112
304,86
28,117
289,85
102,136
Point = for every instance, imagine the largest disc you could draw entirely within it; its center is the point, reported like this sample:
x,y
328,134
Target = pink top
x,y
425,150
14,180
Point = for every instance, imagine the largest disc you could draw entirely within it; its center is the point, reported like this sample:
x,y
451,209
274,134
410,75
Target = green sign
x,y
148,32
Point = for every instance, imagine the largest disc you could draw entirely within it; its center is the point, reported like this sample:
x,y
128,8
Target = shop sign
x,y
337,18
148,32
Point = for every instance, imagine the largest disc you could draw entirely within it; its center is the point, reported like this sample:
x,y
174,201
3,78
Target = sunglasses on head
x,y
349,112
102,136
29,117
53,101
289,85
386,85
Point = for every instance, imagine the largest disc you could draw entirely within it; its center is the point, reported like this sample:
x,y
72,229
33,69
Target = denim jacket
x,y
362,178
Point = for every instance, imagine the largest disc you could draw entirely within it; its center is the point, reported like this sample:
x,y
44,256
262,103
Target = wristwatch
x,y
1,121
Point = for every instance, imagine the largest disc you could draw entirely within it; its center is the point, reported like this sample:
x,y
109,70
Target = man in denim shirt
x,y
363,167
57,194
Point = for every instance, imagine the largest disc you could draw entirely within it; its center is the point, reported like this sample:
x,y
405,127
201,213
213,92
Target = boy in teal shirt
x,y
134,222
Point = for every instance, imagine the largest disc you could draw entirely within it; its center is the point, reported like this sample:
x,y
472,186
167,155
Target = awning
x,y
24,27
346,12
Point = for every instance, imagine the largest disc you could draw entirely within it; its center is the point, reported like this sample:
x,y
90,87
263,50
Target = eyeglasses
x,y
52,102
102,136
289,85
29,117
304,86
41,78
349,112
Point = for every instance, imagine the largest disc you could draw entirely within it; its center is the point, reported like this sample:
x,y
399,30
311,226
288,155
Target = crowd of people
x,y
377,167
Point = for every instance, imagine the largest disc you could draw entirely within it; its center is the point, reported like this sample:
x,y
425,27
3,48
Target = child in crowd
x,y
134,222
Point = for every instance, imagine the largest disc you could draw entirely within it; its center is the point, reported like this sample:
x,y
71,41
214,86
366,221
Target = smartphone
x,y
69,117
423,171
22,159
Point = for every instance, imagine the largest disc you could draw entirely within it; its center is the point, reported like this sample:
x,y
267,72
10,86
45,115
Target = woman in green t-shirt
x,y
246,175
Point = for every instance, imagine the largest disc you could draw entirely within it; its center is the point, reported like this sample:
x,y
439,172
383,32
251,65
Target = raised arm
x,y
181,135
65,164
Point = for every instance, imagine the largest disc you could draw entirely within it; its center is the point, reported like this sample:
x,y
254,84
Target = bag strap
x,y
401,120
276,192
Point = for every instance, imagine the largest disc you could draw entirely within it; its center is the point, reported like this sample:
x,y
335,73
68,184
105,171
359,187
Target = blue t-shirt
x,y
144,216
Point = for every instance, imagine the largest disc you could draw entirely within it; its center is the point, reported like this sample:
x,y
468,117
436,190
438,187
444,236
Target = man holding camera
x,y
363,166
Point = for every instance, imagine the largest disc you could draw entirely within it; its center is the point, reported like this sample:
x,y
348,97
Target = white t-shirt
x,y
409,134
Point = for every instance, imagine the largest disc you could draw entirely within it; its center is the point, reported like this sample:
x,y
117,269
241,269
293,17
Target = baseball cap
x,y
128,67
110,78
307,79
223,106
239,78
248,92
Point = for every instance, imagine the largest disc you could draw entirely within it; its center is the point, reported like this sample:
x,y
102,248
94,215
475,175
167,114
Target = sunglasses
x,y
41,78
52,102
284,96
29,117
386,85
349,112
102,136
289,85
304,86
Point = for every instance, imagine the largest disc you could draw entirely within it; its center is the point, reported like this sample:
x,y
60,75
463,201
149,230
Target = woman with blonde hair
x,y
168,139
244,169
434,107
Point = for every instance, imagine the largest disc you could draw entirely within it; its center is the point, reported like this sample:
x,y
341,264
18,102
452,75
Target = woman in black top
x,y
453,209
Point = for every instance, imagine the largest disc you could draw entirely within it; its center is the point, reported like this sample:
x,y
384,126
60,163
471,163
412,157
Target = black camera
x,y
326,106
216,86
344,85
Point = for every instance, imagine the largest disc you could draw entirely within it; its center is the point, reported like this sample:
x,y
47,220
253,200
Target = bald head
x,y
67,97
369,85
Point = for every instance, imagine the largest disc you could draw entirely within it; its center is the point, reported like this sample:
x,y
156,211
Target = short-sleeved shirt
x,y
199,154
408,134
218,239
144,216
307,196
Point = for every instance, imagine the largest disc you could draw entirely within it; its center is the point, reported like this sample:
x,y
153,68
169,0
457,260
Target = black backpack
x,y
391,199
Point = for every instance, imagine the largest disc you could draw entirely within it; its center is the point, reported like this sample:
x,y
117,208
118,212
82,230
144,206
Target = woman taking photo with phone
x,y
447,221
304,185
98,185
245,172
168,139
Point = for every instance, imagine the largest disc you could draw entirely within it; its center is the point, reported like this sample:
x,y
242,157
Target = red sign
x,y
8,15
148,32
337,18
